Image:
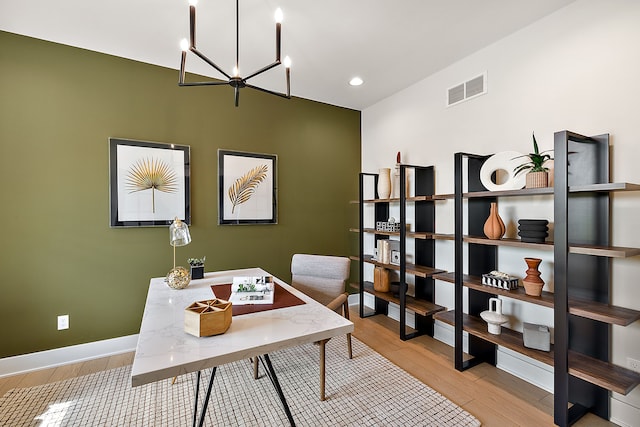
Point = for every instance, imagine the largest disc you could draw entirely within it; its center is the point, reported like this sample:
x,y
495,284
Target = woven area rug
x,y
368,390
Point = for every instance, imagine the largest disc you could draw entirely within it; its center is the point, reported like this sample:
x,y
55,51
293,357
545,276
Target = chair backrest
x,y
321,277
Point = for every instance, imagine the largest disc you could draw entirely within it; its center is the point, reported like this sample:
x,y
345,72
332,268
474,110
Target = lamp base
x,y
178,278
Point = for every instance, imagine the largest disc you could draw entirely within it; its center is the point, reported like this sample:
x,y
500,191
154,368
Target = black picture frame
x,y
247,188
149,183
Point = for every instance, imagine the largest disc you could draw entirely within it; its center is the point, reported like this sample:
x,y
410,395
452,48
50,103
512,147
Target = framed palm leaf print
x,y
246,188
149,183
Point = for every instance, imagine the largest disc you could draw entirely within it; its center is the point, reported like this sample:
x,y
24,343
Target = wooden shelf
x,y
506,193
508,338
418,306
603,312
396,200
442,196
410,234
442,236
414,270
475,282
548,246
589,309
605,251
603,374
423,235
608,187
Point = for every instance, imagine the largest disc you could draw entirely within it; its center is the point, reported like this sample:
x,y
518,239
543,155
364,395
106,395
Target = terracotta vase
x,y
533,283
384,183
494,228
537,179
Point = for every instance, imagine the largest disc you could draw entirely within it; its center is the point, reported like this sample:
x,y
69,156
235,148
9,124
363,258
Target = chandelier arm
x,y
272,92
192,26
263,69
210,62
203,84
183,61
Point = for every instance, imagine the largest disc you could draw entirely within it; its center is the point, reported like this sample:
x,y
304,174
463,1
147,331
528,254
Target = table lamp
x,y
178,277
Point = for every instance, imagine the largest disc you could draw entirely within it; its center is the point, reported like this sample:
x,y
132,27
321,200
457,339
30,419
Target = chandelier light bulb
x,y
278,16
193,2
184,45
287,62
236,73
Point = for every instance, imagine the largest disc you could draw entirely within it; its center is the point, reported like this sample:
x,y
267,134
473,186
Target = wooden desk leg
x,y
255,368
322,367
346,315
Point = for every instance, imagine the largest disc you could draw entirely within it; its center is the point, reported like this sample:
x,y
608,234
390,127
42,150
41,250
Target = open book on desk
x,y
252,290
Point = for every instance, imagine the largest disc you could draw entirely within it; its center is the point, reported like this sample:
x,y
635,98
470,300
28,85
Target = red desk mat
x,y
282,298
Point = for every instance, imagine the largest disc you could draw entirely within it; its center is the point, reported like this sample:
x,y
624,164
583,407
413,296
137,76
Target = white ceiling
x,y
391,44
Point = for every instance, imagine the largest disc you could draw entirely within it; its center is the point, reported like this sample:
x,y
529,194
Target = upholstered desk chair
x,y
323,278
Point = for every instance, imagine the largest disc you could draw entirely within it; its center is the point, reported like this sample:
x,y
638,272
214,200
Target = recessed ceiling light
x,y
356,81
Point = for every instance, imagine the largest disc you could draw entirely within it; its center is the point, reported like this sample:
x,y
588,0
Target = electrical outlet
x,y
63,322
633,364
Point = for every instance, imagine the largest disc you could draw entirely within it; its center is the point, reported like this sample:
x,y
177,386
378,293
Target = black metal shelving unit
x,y
583,314
422,303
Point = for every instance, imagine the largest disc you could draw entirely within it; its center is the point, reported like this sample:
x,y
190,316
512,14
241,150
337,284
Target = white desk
x,y
165,350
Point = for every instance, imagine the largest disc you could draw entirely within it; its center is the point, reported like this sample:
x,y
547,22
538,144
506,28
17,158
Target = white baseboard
x,y
66,355
530,370
393,310
624,414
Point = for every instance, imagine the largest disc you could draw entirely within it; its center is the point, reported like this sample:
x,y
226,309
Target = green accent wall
x,y
58,107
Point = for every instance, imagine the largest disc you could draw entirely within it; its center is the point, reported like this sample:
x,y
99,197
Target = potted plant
x,y
197,267
538,174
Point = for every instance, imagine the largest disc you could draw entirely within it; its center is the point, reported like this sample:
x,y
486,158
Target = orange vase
x,y
494,228
533,284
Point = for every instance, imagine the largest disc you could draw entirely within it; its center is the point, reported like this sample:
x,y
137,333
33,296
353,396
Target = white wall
x,y
577,69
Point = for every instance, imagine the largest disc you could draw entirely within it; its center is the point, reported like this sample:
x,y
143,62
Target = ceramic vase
x,y
494,316
494,228
537,179
533,283
384,183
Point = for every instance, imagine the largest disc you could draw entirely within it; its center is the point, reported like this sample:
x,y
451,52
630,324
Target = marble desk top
x,y
165,350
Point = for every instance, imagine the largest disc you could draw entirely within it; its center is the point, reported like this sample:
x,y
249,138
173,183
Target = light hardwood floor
x,y
495,397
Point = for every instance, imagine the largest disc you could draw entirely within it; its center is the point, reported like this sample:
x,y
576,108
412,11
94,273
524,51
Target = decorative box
x,y
388,226
508,283
206,318
536,336
395,257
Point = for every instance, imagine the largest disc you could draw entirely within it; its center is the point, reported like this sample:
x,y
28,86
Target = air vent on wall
x,y
464,91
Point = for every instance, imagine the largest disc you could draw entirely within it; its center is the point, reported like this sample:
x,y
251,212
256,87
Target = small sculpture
x,y
494,316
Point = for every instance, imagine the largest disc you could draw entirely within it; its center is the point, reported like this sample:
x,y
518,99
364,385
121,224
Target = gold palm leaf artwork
x,y
245,186
151,174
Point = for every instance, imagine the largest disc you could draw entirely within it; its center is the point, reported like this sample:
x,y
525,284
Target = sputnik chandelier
x,y
235,81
